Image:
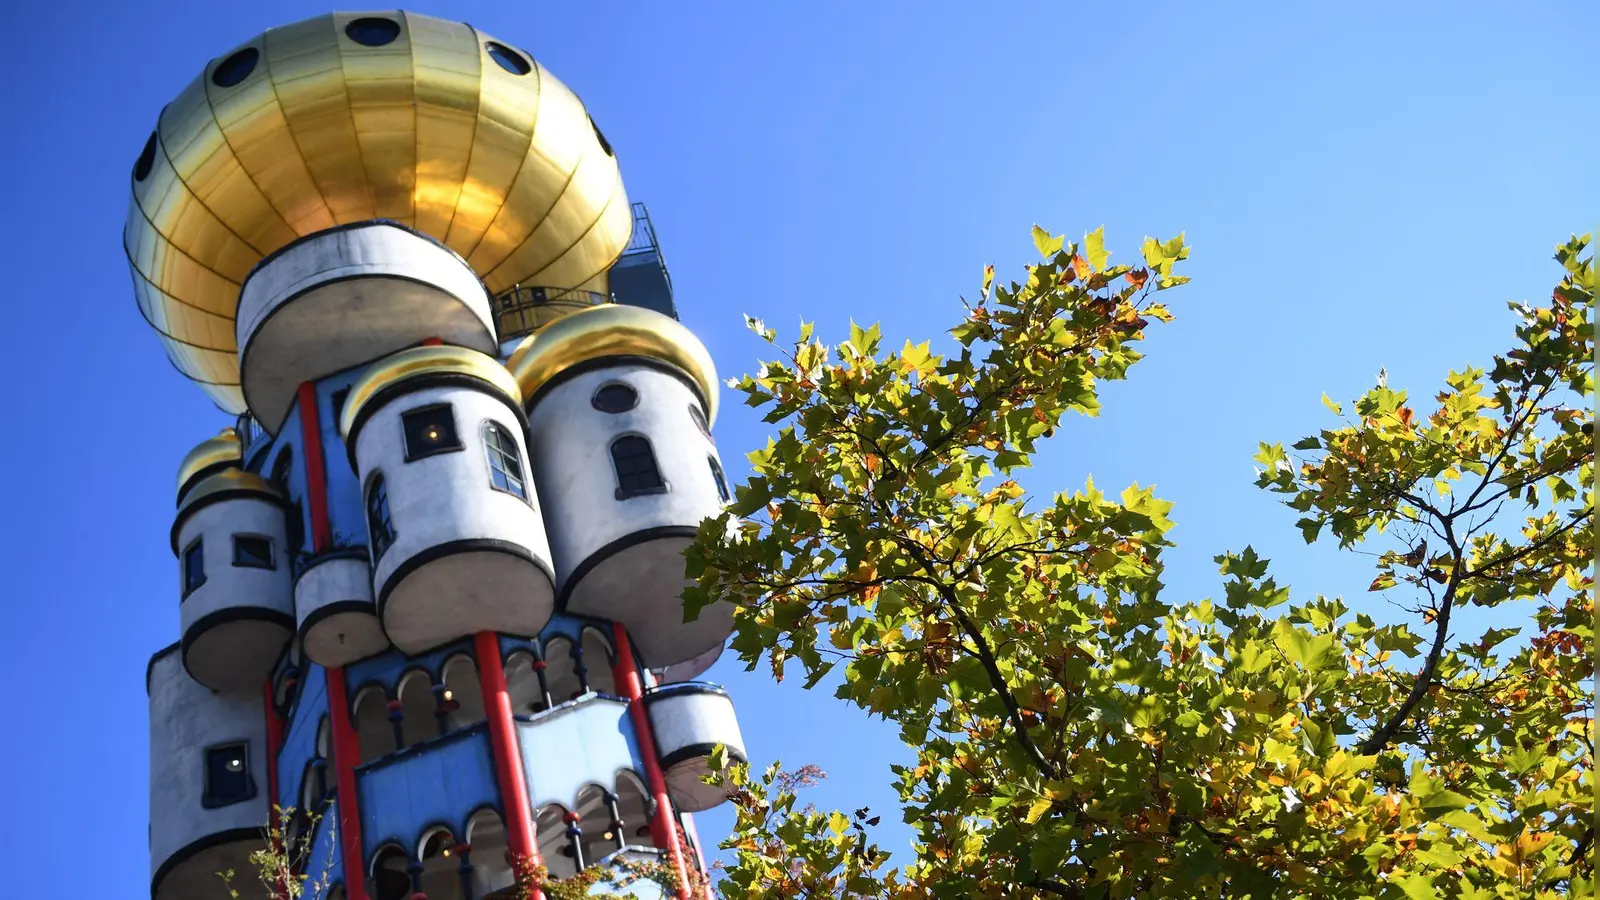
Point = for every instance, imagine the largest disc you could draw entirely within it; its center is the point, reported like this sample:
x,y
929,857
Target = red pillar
x,y
316,475
520,838
346,753
626,675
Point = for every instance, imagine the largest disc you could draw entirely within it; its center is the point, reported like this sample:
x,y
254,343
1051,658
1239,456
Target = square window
x,y
194,567
228,778
252,550
430,430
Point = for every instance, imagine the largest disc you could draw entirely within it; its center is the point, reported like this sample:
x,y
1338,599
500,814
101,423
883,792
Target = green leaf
x,y
1047,244
1094,249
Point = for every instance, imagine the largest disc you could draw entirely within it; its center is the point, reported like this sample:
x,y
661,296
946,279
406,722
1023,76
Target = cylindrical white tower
x,y
436,436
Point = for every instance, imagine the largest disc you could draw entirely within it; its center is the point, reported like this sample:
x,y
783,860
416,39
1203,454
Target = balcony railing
x,y
644,234
524,310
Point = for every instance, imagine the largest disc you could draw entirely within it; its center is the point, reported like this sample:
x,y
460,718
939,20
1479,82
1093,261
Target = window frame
x,y
412,454
272,556
622,492
208,798
196,546
701,423
492,449
390,534
594,398
724,490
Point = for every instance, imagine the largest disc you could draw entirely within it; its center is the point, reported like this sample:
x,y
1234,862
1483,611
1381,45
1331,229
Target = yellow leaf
x,y
1037,810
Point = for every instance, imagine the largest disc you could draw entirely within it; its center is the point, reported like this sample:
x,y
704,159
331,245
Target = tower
x,y
429,578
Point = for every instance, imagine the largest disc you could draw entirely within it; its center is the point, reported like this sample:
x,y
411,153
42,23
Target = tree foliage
x,y
1079,732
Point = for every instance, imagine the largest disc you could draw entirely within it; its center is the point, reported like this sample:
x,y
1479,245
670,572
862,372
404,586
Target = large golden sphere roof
x,y
357,116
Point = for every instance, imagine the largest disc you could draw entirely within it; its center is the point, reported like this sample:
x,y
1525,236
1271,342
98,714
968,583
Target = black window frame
x,y
379,540
633,394
195,552
717,475
503,455
209,797
272,557
416,417
624,490
700,422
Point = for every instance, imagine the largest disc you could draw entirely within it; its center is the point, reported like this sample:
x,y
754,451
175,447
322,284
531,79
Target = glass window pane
x,y
429,430
252,550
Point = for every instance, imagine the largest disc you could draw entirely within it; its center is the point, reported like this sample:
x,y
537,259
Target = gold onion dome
x,y
357,116
421,362
613,330
223,450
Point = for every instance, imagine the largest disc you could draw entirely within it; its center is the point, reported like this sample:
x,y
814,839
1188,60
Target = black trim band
x,y
193,848
420,382
334,609
150,667
607,362
184,512
698,751
353,226
451,548
231,614
617,546
207,472
677,688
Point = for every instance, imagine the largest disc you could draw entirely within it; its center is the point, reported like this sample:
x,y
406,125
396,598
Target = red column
x,y
520,839
626,675
346,753
316,475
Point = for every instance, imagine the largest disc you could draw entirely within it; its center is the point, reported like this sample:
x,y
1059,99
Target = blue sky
x,y
1364,185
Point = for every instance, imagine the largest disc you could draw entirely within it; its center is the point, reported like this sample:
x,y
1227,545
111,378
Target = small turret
x,y
620,401
458,546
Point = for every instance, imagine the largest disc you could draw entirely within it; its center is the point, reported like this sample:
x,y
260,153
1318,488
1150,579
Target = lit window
x,y
194,567
615,398
636,467
380,529
252,550
429,430
505,463
228,778
717,476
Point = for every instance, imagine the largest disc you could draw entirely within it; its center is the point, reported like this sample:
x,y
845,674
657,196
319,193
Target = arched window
x,y
561,857
294,524
325,738
505,461
390,880
281,468
525,684
486,834
634,810
380,528
463,692
719,478
615,397
419,719
699,418
635,462
597,662
597,813
561,671
441,878
374,735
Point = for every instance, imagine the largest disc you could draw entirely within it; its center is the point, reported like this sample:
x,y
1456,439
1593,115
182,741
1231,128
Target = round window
x,y
615,398
235,68
146,160
507,58
372,31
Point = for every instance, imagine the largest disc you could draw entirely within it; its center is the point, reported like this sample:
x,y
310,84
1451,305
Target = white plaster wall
x,y
185,718
227,586
348,296
572,461
682,717
342,637
449,497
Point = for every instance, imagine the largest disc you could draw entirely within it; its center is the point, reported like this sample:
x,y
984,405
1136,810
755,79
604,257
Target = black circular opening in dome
x,y
600,136
146,160
372,31
236,68
615,398
508,59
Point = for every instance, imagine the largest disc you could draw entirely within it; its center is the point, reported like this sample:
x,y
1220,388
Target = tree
x,y
1078,732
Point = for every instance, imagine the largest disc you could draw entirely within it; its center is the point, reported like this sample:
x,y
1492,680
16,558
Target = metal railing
x,y
644,234
524,310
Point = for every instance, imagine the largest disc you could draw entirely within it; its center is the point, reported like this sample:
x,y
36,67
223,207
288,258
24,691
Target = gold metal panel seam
x,y
309,78
448,69
507,107
378,82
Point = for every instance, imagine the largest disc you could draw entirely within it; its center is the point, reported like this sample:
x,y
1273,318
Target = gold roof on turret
x,y
222,485
357,116
613,330
224,449
419,362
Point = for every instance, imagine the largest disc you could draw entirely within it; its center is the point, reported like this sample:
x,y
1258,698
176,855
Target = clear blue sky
x,y
1363,187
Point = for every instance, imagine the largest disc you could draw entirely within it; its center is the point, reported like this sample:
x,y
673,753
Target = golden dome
x,y
613,330
222,485
419,362
224,449
356,116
